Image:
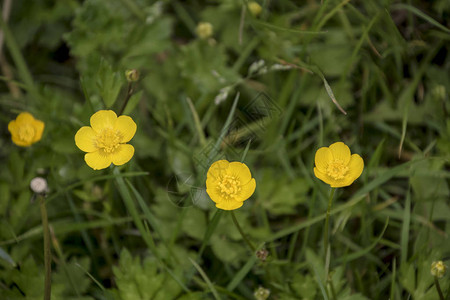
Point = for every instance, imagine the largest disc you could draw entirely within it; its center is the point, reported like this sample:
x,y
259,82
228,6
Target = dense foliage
x,y
266,87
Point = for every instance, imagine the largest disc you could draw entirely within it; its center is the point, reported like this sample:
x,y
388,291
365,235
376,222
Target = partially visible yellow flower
x,y
204,30
438,269
254,8
229,184
105,140
26,130
336,166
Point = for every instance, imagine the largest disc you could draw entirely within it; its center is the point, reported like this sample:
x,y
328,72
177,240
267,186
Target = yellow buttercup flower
x,y
229,184
105,140
336,166
26,130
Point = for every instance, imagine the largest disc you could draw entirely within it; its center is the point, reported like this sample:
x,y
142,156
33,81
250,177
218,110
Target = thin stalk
x,y
333,291
327,221
438,288
130,91
241,232
47,250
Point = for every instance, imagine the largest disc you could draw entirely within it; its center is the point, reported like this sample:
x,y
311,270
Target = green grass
x,y
300,76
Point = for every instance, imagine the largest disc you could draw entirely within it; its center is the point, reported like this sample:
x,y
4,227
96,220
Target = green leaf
x,y
142,280
109,83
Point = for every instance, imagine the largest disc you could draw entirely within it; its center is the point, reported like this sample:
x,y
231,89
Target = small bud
x,y
439,92
204,30
438,269
39,185
262,254
132,75
254,8
261,293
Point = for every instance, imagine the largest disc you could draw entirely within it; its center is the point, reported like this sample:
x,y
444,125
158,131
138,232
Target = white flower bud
x,y
39,185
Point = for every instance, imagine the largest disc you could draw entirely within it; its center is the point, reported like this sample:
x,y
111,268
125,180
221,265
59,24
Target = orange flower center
x,y
108,140
337,169
229,186
26,133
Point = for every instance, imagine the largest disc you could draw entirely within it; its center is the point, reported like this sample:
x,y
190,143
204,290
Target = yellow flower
x,y
25,129
336,166
229,184
254,8
204,30
105,140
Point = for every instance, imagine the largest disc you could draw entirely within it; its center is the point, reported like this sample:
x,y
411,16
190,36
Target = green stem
x,y
127,98
241,232
327,221
47,250
438,288
333,291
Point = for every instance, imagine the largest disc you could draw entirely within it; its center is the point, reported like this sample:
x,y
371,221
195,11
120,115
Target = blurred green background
x,y
274,75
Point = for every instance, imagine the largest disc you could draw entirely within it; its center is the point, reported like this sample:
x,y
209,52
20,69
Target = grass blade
x,y
420,14
404,239
206,279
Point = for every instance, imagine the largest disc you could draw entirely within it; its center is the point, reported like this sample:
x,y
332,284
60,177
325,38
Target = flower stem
x,y
47,250
130,91
333,291
241,232
327,221
438,288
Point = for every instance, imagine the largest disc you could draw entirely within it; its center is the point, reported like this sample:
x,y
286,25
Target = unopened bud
x,y
254,8
39,185
132,75
438,269
262,254
261,293
204,30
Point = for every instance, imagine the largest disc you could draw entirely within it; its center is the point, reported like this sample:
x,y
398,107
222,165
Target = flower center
x,y
108,140
26,133
229,186
337,169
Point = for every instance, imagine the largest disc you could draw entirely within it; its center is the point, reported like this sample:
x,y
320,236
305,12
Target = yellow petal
x,y
217,169
20,142
247,190
127,128
97,160
240,170
85,139
331,181
323,176
229,205
322,158
340,151
103,119
212,191
12,127
39,128
355,167
25,118
341,183
122,155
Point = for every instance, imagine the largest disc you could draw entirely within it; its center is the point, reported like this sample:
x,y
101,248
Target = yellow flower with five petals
x,y
26,130
105,140
229,184
336,165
